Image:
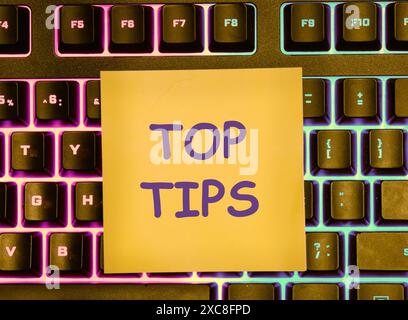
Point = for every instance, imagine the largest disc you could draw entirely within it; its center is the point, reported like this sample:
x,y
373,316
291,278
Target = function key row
x,y
15,31
156,29
55,103
356,101
338,27
32,154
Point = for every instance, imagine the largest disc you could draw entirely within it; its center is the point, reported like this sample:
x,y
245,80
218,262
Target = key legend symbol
x,y
308,95
360,100
318,246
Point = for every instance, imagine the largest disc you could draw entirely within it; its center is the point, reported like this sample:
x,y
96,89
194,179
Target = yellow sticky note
x,y
203,170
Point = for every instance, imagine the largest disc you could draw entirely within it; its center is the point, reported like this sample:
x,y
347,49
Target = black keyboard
x,y
353,56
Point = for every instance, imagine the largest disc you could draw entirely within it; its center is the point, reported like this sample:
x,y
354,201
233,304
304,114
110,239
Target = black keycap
x,y
254,291
8,199
305,27
43,201
88,201
334,149
315,291
322,251
314,98
17,252
181,28
309,196
131,29
358,22
55,100
232,28
371,291
347,200
93,100
30,151
80,151
386,149
401,102
397,26
382,251
106,292
394,204
81,29
360,98
13,101
14,30
69,252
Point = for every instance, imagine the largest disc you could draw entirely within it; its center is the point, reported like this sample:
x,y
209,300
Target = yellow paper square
x,y
268,101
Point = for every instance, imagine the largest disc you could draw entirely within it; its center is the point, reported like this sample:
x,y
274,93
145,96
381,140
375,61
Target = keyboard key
x,y
397,26
381,292
347,200
88,201
13,101
315,291
101,258
131,29
232,28
394,204
14,30
80,151
334,149
306,27
43,201
106,292
386,149
314,99
380,251
81,29
93,100
56,100
258,291
322,251
31,152
401,102
309,199
18,252
360,98
69,252
8,203
359,26
181,28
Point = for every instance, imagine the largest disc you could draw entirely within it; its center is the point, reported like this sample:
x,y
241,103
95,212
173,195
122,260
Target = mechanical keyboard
x,y
353,56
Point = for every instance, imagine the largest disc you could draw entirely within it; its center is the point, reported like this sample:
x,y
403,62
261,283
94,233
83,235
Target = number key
x,y
13,101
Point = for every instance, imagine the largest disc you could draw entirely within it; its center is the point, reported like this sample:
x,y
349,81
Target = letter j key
x,y
334,149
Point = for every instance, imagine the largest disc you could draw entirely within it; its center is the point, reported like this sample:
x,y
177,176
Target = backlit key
x,y
14,29
334,149
360,98
181,28
81,29
93,100
314,100
359,26
315,291
397,22
232,28
131,29
88,201
394,204
380,251
322,251
347,200
400,98
69,252
380,291
386,149
13,101
309,199
258,291
307,27
31,152
8,203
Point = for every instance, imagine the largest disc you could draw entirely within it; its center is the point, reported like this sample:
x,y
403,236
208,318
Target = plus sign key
x,y
360,98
